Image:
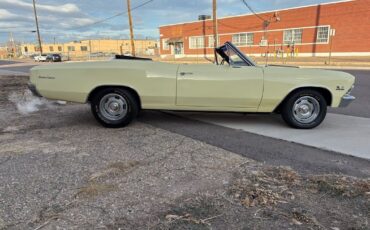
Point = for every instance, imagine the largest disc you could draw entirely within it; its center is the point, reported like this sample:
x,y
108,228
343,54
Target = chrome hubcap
x,y
113,106
306,109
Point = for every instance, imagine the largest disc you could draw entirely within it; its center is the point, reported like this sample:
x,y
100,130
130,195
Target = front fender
x,y
279,82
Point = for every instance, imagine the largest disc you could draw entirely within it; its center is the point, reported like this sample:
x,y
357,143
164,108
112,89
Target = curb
x,y
336,67
12,73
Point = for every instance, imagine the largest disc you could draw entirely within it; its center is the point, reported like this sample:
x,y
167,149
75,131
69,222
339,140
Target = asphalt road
x,y
24,69
272,151
2,62
361,107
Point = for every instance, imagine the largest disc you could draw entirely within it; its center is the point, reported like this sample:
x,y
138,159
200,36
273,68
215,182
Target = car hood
x,y
305,73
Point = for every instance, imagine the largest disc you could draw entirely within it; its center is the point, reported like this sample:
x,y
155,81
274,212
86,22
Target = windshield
x,y
232,55
235,59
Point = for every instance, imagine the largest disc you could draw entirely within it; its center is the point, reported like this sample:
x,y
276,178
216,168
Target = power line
x,y
254,12
111,17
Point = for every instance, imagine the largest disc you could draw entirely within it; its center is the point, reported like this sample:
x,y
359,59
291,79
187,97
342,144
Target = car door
x,y
219,86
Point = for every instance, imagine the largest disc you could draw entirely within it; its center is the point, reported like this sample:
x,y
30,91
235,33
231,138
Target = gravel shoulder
x,y
60,169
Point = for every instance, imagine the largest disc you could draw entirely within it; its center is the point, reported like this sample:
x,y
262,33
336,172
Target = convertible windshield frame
x,y
229,46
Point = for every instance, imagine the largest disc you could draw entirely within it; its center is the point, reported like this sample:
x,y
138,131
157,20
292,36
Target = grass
x,y
95,189
340,185
114,169
95,185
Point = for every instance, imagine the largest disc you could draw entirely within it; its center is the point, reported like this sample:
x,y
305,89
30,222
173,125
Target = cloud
x,y
53,18
76,22
18,4
5,15
74,19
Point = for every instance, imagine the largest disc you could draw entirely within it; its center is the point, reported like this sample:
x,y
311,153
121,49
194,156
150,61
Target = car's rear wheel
x,y
114,107
304,109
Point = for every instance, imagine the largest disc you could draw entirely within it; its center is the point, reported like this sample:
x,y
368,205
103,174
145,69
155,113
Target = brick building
x,y
342,27
91,47
4,52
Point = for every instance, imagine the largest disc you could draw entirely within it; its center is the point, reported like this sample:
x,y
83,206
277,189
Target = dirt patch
x,y
193,213
96,184
114,169
10,84
94,189
275,198
264,187
337,185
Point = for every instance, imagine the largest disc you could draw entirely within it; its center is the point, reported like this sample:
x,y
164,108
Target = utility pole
x,y
215,28
37,26
12,43
131,28
90,49
331,37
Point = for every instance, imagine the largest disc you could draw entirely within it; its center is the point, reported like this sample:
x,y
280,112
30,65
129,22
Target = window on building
x,y
239,39
83,48
51,48
250,39
322,34
243,39
59,48
293,36
165,45
71,48
196,42
211,41
26,49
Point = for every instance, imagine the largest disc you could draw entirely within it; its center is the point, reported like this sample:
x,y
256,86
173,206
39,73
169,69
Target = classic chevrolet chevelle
x,y
118,89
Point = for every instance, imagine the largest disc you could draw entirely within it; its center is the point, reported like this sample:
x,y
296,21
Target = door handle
x,y
185,73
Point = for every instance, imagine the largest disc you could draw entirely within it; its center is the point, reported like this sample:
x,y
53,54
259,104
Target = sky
x,y
72,20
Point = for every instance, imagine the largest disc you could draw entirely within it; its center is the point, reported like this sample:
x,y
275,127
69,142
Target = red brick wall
x,y
351,20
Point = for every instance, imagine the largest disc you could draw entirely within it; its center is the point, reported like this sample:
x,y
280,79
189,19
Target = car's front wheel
x,y
114,107
305,109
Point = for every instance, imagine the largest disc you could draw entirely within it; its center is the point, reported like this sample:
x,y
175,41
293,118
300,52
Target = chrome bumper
x,y
33,89
346,100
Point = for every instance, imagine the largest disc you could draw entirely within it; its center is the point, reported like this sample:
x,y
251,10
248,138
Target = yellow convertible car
x,y
118,89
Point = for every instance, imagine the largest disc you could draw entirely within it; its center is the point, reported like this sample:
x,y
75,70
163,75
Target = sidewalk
x,y
353,142
312,62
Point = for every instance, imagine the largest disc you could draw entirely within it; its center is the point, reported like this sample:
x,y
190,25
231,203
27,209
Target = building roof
x,y
263,12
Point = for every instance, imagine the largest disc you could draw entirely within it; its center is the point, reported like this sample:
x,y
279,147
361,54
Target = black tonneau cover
x,y
124,57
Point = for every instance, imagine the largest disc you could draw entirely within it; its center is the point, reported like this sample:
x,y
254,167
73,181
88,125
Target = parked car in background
x,y
118,89
32,56
54,58
97,54
40,58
